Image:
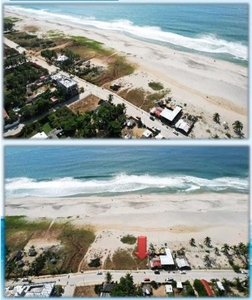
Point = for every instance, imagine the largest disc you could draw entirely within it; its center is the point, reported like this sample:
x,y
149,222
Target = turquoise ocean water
x,y
77,171
216,30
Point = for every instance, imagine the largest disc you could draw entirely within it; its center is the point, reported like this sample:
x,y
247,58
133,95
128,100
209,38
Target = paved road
x,y
102,93
69,281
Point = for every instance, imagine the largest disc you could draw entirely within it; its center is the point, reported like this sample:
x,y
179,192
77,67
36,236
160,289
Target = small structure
x,y
32,252
106,289
220,286
207,288
54,99
40,135
182,263
147,134
62,58
131,123
184,125
68,85
179,285
168,288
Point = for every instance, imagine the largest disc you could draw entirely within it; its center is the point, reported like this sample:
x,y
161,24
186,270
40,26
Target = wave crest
x,y
121,183
208,43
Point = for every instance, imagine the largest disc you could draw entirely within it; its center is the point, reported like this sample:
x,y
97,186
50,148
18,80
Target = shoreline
x,y
223,85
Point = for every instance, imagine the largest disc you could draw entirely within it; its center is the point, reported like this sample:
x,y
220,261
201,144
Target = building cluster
x,y
173,117
68,85
31,290
163,259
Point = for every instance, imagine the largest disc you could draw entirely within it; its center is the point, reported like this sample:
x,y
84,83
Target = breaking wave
x,y
121,183
208,43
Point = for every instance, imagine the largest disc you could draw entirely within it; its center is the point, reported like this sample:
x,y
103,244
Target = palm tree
x,y
216,118
192,242
237,126
225,248
110,98
108,277
216,251
207,241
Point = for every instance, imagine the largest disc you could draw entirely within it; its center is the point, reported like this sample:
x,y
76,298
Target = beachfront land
x,y
86,237
59,85
61,257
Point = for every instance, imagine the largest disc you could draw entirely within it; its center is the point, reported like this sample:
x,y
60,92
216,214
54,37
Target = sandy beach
x,y
206,85
172,219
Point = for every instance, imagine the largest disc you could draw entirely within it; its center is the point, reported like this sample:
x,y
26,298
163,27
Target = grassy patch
x,y
18,231
76,242
156,86
11,19
47,128
141,98
31,28
134,96
90,45
129,239
127,260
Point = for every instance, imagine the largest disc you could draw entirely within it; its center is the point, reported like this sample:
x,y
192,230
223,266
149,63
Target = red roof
x,y
207,288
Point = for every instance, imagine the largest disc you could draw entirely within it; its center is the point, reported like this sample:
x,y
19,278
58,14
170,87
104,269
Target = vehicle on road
x,y
146,279
175,132
182,272
169,279
244,272
156,272
152,118
99,273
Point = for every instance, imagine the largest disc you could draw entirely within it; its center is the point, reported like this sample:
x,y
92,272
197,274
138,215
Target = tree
x,y
108,277
225,248
207,241
110,98
216,251
58,290
237,126
125,288
192,242
216,118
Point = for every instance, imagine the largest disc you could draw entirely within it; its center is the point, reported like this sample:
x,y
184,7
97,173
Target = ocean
x,y
216,30
116,170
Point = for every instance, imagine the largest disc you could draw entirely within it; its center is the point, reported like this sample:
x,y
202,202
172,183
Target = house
x,y
147,134
40,135
166,260
182,263
207,287
170,116
62,58
184,125
168,288
179,285
106,289
220,286
68,85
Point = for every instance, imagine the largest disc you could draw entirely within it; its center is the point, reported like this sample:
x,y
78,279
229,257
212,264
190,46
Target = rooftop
x,y
169,114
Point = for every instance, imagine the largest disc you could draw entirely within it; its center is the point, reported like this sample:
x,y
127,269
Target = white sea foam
x,y
122,183
208,43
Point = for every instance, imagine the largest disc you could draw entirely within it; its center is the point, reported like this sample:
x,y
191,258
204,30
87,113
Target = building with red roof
x,y
207,288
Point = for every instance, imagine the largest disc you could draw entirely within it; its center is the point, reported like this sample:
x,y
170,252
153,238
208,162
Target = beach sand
x,y
206,85
171,219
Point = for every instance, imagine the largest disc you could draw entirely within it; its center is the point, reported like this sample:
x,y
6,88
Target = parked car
x,y
152,118
99,273
182,272
156,272
146,279
175,132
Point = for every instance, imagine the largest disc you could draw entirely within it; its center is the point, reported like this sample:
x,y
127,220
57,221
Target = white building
x,y
62,58
167,259
147,134
184,125
170,115
168,288
33,290
40,135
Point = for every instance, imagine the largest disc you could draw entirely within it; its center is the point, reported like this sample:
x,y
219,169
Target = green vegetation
x,y
188,290
126,288
129,239
156,86
90,45
216,118
199,287
143,99
74,241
